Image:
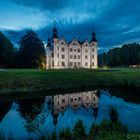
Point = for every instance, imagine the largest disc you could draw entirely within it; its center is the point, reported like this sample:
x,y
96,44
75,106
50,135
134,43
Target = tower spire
x,y
93,39
54,31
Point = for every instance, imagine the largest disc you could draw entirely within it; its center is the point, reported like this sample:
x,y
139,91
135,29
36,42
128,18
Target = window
x,y
75,64
78,63
58,55
92,56
86,50
92,63
71,64
78,50
78,56
63,100
74,56
86,44
70,56
63,63
93,98
87,97
63,56
86,57
63,49
92,50
62,43
86,63
75,50
52,55
70,49
71,99
79,98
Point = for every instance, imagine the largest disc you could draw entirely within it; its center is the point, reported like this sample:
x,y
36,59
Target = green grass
x,y
31,80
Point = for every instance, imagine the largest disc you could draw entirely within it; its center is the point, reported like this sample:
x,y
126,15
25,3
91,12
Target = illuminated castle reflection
x,y
59,103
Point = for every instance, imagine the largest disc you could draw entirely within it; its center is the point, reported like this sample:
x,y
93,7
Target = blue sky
x,y
115,21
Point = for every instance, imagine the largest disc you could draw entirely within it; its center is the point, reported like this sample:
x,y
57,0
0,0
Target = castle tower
x,y
93,60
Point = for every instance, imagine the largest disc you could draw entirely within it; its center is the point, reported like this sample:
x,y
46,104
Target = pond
x,y
30,118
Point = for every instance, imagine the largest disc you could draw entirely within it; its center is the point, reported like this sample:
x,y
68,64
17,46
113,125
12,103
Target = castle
x,y
75,54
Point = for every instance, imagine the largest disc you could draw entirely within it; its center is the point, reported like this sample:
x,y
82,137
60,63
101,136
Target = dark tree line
x,y
127,55
31,52
7,52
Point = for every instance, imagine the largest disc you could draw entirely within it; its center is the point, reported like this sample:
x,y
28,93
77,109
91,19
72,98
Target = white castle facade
x,y
63,55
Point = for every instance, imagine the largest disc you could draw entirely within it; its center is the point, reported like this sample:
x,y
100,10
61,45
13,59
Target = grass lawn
x,y
31,80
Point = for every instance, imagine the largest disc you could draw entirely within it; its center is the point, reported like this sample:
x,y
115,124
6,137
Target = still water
x,y
30,118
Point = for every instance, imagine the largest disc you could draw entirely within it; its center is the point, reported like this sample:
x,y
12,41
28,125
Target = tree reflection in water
x,y
34,114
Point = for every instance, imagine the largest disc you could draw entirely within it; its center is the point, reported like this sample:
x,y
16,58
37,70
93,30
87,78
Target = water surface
x,y
38,116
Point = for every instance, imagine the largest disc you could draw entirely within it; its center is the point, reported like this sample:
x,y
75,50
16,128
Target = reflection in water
x,y
59,103
40,116
4,108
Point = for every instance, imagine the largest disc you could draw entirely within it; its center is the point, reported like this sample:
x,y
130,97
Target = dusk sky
x,y
115,21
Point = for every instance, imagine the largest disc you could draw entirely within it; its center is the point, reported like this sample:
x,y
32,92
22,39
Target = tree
x,y
128,54
31,52
6,52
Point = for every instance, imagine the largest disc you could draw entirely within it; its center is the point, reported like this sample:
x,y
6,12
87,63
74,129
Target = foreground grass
x,y
61,80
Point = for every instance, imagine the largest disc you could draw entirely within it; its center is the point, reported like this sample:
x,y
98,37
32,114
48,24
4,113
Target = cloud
x,y
115,22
